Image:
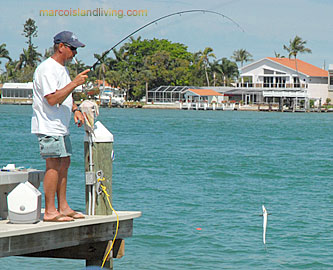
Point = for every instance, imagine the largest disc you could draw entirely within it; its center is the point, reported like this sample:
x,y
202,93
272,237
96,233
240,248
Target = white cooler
x,y
24,204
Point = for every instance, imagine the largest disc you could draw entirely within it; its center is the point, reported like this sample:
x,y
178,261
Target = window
x,y
267,71
280,82
268,81
296,82
331,79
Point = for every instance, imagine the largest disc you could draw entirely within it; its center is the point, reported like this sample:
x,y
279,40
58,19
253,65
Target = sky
x,y
267,24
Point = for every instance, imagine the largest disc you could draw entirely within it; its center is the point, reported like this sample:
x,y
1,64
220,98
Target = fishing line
x,y
161,18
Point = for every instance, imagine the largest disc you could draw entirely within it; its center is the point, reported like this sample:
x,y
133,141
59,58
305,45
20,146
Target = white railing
x,y
298,94
206,106
272,85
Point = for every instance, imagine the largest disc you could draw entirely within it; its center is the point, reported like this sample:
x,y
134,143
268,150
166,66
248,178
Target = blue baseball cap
x,y
68,38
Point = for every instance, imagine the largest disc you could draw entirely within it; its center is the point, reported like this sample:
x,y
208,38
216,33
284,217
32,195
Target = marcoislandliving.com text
x,y
98,12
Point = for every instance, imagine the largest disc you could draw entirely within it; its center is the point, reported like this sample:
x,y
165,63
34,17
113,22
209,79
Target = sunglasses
x,y
70,47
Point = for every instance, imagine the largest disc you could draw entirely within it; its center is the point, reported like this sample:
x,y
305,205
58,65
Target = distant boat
x,y
112,96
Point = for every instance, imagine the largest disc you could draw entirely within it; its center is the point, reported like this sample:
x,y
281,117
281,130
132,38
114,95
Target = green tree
x,y
328,101
10,73
296,46
76,68
4,52
102,67
277,55
229,71
241,56
217,71
226,71
30,30
204,60
197,73
138,62
29,57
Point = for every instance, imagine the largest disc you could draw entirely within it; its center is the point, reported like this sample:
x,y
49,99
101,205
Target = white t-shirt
x,y
46,119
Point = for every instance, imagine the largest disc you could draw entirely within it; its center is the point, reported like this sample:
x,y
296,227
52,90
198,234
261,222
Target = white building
x,y
16,91
278,78
21,91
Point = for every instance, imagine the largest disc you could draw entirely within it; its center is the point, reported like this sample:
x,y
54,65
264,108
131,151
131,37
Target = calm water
x,y
211,170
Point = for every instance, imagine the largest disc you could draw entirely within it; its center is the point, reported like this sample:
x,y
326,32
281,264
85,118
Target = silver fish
x,y
264,214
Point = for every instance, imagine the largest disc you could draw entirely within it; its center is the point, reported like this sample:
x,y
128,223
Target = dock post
x,y
102,156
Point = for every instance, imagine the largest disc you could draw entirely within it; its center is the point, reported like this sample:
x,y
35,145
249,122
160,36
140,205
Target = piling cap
x,y
100,134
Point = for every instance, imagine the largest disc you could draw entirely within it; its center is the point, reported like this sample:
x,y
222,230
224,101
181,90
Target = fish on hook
x,y
264,214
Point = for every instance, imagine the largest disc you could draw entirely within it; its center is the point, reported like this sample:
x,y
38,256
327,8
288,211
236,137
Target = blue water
x,y
204,169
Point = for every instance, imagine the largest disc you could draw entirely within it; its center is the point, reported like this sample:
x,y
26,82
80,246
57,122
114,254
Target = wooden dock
x,y
86,239
82,239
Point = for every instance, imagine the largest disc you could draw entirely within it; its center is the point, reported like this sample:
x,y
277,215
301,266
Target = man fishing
x,y
52,109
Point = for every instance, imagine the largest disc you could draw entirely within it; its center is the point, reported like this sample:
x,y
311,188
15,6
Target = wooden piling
x,y
102,162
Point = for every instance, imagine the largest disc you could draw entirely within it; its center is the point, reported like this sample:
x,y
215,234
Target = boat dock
x,y
82,239
86,239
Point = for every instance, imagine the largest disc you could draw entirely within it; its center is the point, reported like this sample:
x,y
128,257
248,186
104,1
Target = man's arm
x,y
78,115
60,95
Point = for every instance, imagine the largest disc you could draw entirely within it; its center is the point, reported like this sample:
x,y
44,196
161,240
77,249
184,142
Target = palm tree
x,y
242,56
216,69
277,55
297,45
29,57
4,52
102,67
204,60
228,70
23,60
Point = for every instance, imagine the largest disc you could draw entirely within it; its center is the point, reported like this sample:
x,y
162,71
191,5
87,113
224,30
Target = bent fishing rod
x,y
161,18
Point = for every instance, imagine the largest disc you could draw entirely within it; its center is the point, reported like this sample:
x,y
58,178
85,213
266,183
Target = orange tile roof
x,y
205,92
302,66
100,82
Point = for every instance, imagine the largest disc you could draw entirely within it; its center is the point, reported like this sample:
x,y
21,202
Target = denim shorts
x,y
54,146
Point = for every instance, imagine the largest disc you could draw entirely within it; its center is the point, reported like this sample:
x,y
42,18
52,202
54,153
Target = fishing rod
x,y
161,18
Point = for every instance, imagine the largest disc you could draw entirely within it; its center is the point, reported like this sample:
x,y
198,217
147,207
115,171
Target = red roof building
x,y
283,77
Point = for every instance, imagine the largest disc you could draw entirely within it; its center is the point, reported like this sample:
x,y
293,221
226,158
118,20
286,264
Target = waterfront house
x,y
277,79
20,93
16,93
203,95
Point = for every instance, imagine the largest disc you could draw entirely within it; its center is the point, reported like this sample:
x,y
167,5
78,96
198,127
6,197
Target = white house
x,y
203,95
279,78
21,91
16,91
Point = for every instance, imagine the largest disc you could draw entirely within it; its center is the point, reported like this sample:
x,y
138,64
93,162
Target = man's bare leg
x,y
63,206
50,184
